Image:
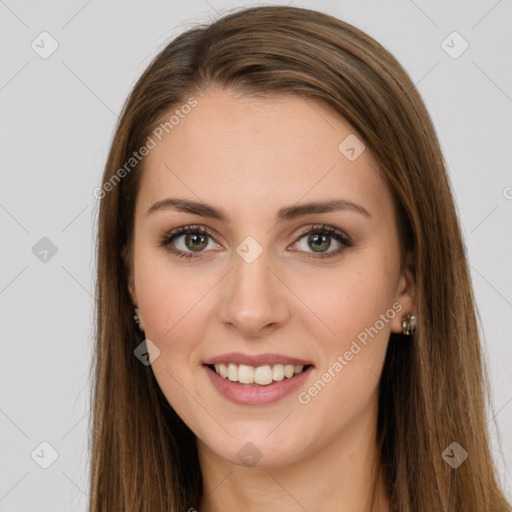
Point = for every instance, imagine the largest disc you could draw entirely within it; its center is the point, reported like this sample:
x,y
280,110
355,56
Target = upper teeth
x,y
260,375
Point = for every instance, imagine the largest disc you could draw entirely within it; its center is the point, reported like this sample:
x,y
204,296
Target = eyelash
x,y
339,236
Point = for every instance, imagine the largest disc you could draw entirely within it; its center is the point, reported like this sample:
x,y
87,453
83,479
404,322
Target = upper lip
x,y
256,360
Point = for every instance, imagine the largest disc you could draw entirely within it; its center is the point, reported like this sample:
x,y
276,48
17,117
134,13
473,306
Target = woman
x,y
285,319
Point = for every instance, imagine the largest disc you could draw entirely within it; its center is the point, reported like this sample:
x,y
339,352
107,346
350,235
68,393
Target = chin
x,y
256,450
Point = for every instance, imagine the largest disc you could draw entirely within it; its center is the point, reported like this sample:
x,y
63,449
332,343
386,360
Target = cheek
x,y
350,299
354,306
175,303
358,311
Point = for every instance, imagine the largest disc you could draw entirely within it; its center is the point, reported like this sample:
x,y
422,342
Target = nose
x,y
255,300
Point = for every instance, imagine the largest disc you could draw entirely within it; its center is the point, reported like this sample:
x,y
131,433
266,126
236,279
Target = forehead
x,y
243,154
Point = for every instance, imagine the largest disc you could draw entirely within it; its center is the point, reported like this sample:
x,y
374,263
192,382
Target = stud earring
x,y
137,319
408,324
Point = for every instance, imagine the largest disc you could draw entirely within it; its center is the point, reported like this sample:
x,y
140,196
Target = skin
x,y
252,157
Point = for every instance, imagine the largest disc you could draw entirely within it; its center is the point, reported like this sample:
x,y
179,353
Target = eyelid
x,y
307,229
190,228
183,230
325,228
342,238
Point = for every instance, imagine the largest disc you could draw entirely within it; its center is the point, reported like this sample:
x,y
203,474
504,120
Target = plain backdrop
x,y
58,112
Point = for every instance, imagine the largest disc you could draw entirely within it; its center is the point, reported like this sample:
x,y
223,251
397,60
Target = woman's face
x,y
260,294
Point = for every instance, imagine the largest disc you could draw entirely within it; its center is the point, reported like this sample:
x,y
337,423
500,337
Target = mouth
x,y
263,375
257,379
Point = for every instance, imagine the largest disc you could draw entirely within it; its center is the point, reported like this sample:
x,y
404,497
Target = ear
x,y
405,293
126,257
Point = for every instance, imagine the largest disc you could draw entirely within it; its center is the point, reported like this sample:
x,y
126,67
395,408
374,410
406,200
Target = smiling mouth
x,y
261,375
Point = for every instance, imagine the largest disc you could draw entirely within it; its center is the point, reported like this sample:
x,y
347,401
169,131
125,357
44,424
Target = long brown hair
x,y
433,389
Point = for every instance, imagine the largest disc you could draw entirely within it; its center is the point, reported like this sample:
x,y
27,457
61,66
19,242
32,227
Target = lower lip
x,y
255,394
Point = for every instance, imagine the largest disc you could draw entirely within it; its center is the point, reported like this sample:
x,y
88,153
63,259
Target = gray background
x,y
57,120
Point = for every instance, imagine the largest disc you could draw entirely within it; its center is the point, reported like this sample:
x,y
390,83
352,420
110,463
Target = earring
x,y
137,319
408,324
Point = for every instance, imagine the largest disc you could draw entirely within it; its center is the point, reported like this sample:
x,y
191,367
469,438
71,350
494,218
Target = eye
x,y
319,239
194,241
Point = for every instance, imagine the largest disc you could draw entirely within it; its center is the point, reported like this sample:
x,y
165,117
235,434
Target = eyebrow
x,y
284,214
